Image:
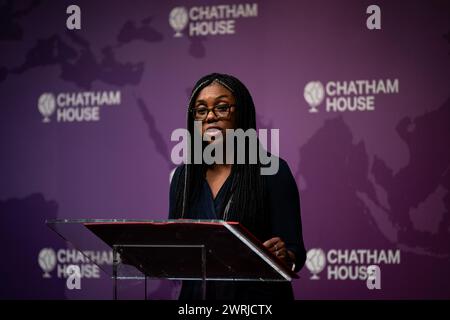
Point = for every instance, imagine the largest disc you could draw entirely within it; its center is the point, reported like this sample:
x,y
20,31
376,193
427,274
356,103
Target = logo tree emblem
x,y
46,106
47,261
315,262
314,94
178,20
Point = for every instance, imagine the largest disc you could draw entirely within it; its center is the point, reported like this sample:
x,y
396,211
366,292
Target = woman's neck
x,y
219,168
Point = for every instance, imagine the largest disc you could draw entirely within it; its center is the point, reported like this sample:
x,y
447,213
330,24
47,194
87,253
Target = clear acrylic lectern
x,y
174,249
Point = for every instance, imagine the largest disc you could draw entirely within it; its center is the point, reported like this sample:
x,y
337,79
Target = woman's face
x,y
215,95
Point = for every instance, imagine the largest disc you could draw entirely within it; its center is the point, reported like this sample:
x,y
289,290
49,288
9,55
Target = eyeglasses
x,y
221,111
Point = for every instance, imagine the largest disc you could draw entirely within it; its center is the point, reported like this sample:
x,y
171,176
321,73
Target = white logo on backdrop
x,y
67,262
314,94
210,20
81,106
352,95
178,20
351,264
47,261
46,106
315,262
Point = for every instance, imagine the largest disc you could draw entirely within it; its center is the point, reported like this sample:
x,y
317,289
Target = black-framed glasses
x,y
221,111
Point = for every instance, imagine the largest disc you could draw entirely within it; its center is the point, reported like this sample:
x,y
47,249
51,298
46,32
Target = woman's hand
x,y
277,246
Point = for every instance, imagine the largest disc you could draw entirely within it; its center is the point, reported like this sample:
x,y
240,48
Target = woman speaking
x,y
267,205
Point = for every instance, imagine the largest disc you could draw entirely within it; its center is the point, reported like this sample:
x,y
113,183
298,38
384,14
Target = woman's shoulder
x,y
279,168
282,179
176,173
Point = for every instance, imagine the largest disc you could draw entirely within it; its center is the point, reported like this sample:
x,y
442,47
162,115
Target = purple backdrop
x,y
372,181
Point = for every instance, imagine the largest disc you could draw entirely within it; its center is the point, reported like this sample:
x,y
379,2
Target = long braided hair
x,y
245,201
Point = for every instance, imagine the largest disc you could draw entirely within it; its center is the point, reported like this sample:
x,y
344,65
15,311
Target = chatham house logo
x,y
47,261
351,264
85,106
178,20
65,263
46,106
210,20
315,262
314,94
348,95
